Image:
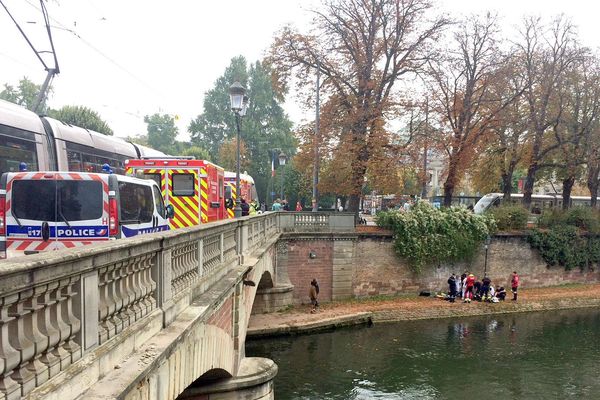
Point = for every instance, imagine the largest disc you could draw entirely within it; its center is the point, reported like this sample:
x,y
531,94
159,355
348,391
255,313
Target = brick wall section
x,y
368,266
302,269
223,317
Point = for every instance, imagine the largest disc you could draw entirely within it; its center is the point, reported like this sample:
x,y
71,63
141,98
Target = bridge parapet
x,y
59,307
316,221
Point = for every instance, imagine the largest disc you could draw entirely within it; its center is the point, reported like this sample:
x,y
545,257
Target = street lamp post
x,y
282,159
239,105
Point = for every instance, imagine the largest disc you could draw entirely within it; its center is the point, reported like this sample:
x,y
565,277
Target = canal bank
x,y
299,320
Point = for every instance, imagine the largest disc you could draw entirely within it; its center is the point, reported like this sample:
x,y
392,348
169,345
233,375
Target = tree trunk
x,y
528,186
566,193
449,184
507,186
592,184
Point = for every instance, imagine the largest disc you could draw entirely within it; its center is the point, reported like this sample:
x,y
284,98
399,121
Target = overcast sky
x,y
129,58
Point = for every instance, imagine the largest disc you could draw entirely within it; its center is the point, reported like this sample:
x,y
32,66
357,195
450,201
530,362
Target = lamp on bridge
x,y
239,105
282,159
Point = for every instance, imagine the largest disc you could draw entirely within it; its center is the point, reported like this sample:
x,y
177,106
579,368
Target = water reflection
x,y
527,356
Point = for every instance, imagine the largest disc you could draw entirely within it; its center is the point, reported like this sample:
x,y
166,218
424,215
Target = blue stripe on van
x,y
128,232
64,232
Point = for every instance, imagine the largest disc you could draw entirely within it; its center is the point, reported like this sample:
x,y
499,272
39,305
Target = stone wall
x,y
366,265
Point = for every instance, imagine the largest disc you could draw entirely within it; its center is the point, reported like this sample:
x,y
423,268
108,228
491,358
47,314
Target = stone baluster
x,y
19,341
147,264
56,318
66,307
123,292
9,356
116,299
34,334
139,290
105,307
48,329
200,250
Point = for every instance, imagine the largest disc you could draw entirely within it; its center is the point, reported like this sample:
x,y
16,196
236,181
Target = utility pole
x,y
425,149
315,193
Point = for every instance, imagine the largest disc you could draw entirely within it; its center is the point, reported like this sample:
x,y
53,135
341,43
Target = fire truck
x,y
195,188
246,187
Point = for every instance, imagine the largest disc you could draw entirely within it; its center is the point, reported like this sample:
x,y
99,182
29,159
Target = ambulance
x,y
247,188
41,211
193,187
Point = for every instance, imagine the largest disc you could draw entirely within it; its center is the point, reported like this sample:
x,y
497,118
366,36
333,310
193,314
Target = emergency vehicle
x,y
42,211
247,188
193,187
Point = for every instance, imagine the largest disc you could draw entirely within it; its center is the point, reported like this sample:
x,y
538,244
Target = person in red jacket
x,y
514,284
470,282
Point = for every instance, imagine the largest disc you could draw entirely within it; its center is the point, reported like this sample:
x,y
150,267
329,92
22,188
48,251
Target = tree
x,y
83,117
161,132
544,57
25,94
197,152
362,49
265,126
461,93
228,155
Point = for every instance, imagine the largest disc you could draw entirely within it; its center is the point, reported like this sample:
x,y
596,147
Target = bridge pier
x,y
253,382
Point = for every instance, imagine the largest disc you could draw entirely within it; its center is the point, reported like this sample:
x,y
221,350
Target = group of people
x,y
468,288
283,205
251,208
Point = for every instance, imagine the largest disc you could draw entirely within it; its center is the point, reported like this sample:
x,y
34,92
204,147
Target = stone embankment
x,y
299,320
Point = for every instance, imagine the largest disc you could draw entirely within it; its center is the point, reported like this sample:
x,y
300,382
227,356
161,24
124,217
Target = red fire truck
x,y
193,187
246,187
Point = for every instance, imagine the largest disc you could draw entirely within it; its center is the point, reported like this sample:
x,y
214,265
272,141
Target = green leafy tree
x,y
25,94
264,128
161,132
83,117
196,151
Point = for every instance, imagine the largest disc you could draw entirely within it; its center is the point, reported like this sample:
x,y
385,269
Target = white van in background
x,y
41,211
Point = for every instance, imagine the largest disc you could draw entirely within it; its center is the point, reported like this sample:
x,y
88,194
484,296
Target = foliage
x,y
197,152
264,128
161,132
228,155
363,50
83,117
25,94
562,245
510,217
584,218
427,235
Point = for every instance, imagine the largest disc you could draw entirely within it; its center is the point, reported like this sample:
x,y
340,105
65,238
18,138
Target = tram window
x,y
183,184
90,163
74,161
14,151
154,177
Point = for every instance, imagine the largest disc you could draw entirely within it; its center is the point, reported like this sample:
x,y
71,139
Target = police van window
x,y
183,184
13,151
34,200
160,204
136,203
79,200
154,177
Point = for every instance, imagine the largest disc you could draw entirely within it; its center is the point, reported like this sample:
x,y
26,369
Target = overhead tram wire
x,y
91,46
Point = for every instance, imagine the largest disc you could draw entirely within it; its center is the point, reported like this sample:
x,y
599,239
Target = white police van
x,y
41,211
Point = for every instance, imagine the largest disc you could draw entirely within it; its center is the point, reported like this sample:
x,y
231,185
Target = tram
x,y
47,144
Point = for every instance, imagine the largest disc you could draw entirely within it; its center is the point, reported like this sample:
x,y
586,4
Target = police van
x,y
41,211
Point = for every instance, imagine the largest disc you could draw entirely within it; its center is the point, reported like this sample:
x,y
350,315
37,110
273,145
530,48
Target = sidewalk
x,y
365,311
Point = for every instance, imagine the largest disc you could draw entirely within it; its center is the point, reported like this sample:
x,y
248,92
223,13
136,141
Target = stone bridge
x,y
150,317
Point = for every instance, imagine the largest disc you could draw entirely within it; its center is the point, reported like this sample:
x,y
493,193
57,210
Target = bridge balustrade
x,y
60,307
56,307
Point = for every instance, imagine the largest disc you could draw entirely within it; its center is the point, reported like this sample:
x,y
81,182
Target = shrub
x,y
552,217
510,217
583,217
426,235
562,245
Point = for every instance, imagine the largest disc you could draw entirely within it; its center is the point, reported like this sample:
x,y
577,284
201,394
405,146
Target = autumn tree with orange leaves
x,y
461,94
363,49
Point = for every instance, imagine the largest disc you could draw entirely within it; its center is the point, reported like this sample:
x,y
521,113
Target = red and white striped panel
x,y
22,245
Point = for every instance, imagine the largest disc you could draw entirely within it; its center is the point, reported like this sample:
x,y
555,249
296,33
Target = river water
x,y
544,355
